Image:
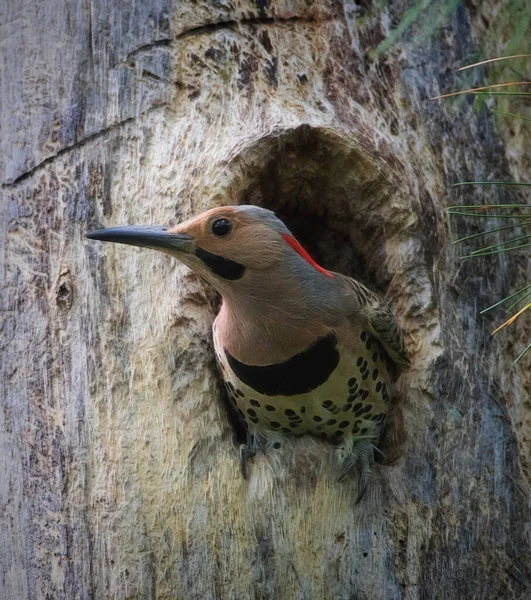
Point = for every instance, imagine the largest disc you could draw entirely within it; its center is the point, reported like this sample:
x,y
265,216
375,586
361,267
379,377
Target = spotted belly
x,y
349,403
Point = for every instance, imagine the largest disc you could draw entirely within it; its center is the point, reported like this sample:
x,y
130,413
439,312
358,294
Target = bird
x,y
301,350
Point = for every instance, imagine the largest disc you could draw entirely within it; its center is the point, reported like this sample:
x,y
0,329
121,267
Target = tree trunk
x,y
119,474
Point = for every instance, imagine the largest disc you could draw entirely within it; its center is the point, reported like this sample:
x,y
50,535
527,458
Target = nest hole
x,y
336,199
331,195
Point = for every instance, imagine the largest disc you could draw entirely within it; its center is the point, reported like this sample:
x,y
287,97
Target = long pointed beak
x,y
158,238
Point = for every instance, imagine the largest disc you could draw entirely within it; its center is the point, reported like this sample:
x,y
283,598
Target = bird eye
x,y
221,227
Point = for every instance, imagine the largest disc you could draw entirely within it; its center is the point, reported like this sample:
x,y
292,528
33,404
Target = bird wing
x,y
380,322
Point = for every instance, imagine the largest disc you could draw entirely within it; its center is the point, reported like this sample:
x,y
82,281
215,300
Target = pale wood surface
x,y
118,468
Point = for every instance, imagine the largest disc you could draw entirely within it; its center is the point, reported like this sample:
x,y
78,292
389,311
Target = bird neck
x,y
268,319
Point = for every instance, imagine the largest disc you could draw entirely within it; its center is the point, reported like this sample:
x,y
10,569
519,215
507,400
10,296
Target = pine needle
x,y
505,299
521,354
501,94
516,302
518,239
485,87
485,216
494,183
482,211
507,114
489,206
488,231
408,18
477,253
512,319
491,60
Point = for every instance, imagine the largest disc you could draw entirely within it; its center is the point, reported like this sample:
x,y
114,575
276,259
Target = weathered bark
x,y
118,466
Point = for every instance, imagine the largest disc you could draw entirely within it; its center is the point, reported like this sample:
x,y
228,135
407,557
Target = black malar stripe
x,y
223,267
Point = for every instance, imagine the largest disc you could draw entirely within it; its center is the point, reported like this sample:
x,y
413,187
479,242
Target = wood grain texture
x,y
119,475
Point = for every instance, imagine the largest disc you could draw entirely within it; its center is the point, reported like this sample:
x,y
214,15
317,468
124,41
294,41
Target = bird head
x,y
224,245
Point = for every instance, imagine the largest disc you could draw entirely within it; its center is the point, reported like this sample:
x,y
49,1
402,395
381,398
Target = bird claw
x,y
380,452
245,453
346,468
362,457
365,473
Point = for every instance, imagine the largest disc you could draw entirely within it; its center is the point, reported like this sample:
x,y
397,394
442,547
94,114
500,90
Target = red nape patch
x,y
302,252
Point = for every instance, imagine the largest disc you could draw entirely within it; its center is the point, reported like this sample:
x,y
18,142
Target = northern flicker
x,y
301,350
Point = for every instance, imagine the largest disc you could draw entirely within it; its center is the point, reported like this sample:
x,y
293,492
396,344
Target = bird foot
x,y
245,454
361,457
365,474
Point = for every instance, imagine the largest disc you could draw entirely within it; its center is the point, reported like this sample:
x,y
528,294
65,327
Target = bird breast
x,y
338,388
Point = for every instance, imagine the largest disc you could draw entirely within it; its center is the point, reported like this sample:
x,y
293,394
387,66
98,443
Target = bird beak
x,y
159,238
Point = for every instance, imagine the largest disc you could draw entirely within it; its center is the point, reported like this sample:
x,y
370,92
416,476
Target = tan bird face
x,y
250,238
224,245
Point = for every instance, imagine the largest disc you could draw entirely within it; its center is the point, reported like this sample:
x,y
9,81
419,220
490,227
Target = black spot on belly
x,y
300,374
